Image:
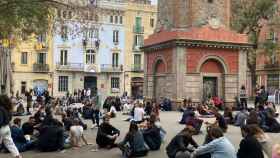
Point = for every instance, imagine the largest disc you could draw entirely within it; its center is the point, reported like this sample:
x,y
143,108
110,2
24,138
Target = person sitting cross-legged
x,y
133,144
152,135
106,134
219,147
76,134
20,141
179,145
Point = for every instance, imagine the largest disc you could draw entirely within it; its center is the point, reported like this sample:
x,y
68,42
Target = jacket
x,y
250,148
5,117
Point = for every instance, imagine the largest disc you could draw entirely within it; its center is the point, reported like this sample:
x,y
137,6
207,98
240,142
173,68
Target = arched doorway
x,y
159,80
212,71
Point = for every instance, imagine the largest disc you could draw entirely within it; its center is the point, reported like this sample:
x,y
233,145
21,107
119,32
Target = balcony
x,y
137,68
272,66
70,67
41,67
138,29
111,68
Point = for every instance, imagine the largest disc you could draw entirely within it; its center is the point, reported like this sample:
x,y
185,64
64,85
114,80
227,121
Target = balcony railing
x,y
138,29
275,65
41,67
137,68
70,67
111,68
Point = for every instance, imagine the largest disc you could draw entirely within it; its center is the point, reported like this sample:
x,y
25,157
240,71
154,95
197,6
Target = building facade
x,y
186,60
93,58
31,62
139,22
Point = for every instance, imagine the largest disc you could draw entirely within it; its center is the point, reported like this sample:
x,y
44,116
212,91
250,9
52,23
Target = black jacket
x,y
250,148
105,129
5,117
152,137
179,143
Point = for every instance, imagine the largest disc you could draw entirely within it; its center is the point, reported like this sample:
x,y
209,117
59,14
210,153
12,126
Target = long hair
x,y
133,128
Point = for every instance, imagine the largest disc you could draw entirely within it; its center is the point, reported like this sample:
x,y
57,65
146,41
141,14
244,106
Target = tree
x,y
249,17
19,18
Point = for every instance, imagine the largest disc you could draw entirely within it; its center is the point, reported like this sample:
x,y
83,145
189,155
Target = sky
x,y
154,1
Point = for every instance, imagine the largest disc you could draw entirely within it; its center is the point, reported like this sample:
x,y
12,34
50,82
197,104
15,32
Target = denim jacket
x,y
218,148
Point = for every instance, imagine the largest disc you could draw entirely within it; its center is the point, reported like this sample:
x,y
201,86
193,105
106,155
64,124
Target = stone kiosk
x,y
186,60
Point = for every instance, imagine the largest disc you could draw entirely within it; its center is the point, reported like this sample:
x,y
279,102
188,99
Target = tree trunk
x,y
5,71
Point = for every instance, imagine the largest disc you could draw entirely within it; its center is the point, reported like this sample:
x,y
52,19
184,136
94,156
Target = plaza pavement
x,y
169,121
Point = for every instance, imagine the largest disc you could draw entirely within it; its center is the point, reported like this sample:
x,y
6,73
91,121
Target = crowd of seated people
x,y
43,131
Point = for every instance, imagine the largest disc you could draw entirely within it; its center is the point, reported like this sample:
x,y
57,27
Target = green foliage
x,y
28,16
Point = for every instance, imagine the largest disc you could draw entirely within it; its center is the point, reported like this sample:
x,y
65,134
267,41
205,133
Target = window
x,y
138,40
137,59
115,59
63,83
23,87
116,19
64,33
152,22
111,19
115,82
138,23
24,58
272,82
121,20
210,1
90,56
41,58
63,57
116,36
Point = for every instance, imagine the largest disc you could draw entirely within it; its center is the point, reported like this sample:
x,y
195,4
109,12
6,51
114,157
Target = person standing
x,y
29,101
243,97
5,131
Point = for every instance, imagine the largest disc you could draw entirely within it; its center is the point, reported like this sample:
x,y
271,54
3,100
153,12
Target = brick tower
x,y
181,14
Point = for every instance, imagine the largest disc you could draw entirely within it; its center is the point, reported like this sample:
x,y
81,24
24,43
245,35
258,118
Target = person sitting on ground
x,y
195,122
39,115
249,145
76,134
183,107
152,135
113,111
228,115
253,118
20,108
106,134
133,144
262,138
186,114
179,145
219,147
19,139
241,117
271,123
220,121
28,127
51,136
203,110
139,113
5,132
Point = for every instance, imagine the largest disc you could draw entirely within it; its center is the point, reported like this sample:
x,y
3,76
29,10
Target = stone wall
x,y
180,14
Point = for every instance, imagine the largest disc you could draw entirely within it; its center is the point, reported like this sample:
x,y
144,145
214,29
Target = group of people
x,y
45,132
